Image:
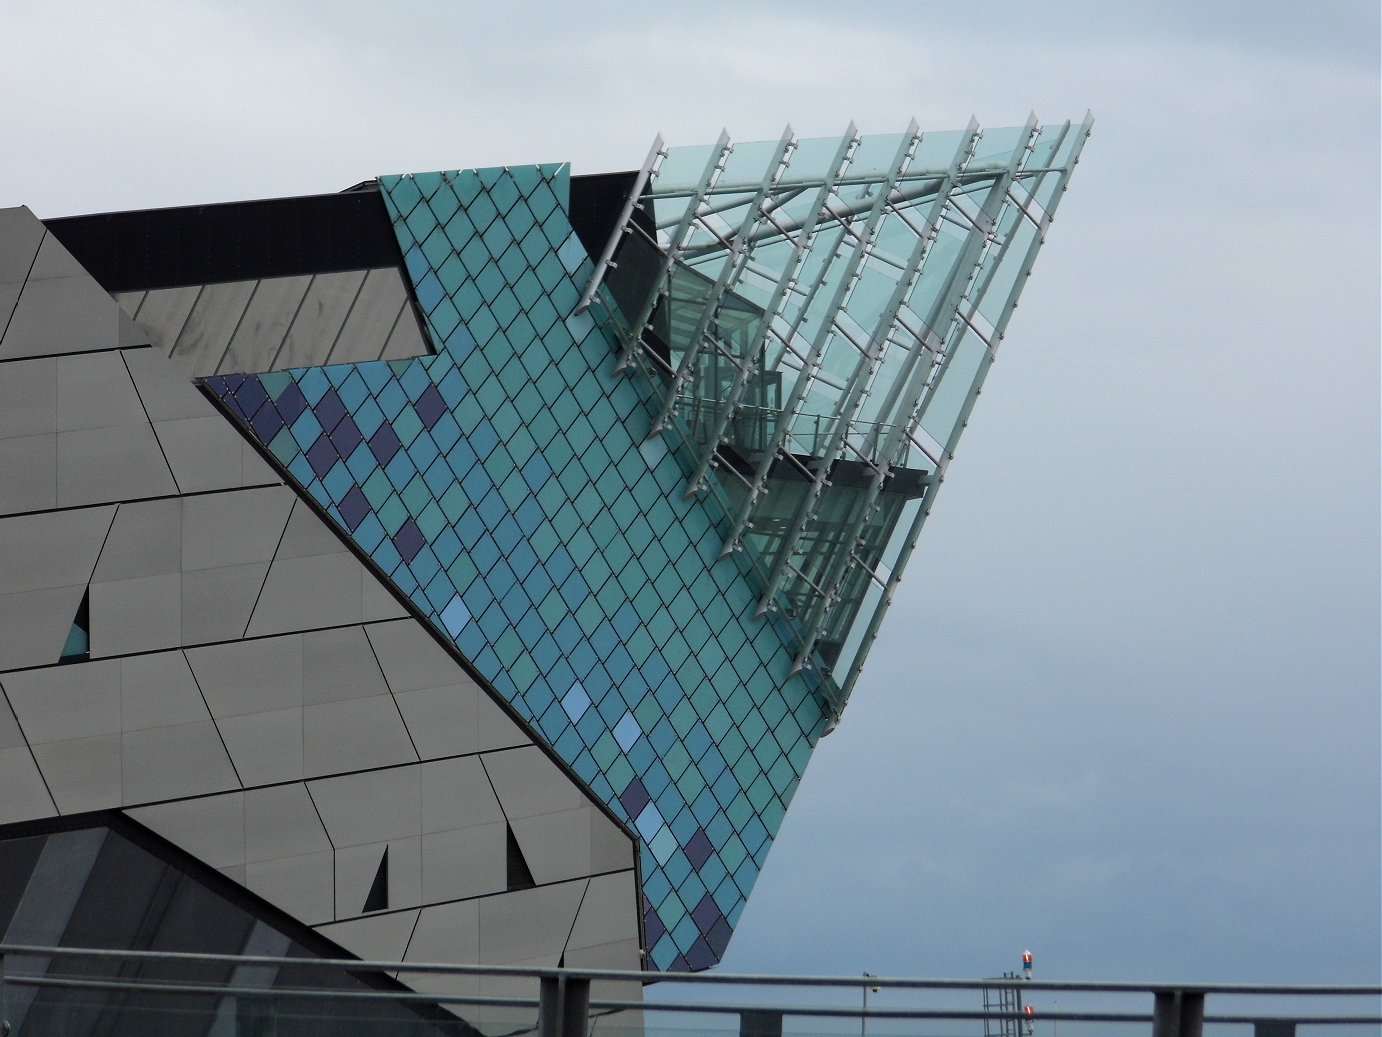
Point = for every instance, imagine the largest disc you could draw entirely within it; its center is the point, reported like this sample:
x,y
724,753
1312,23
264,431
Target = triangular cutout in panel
x,y
78,646
378,897
520,876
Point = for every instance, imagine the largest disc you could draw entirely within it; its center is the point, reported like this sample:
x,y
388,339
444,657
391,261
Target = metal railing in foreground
x,y
71,991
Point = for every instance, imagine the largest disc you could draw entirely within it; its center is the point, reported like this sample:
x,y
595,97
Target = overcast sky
x,y
1125,710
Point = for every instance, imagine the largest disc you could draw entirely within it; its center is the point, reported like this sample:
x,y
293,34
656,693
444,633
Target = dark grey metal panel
x,y
212,321
608,913
23,795
556,846
282,822
318,320
163,313
299,885
56,704
407,338
371,807
456,793
528,925
263,325
366,330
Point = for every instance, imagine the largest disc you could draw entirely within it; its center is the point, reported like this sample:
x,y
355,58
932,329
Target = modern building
x,y
462,567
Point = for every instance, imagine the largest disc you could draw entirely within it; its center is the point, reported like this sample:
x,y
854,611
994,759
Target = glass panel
x,y
948,398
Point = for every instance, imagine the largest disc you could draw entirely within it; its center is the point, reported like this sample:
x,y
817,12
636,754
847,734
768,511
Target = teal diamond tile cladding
x,y
506,487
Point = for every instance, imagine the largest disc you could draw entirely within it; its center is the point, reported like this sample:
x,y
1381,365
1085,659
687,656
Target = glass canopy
x,y
816,317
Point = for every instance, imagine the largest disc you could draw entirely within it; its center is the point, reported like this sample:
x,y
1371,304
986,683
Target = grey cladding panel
x,y
608,914
20,235
56,550
370,807
34,625
28,397
265,747
221,529
411,657
204,453
260,333
83,774
357,867
308,536
456,794
54,261
471,862
338,664
382,937
530,924
65,702
61,315
302,886
95,391
528,783
108,464
442,721
29,473
212,828
173,762
144,540
216,603
341,736
556,846
163,388
158,690
138,615
447,932
282,822
309,592
23,795
250,676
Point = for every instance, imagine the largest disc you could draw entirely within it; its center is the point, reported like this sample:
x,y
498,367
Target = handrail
x,y
715,978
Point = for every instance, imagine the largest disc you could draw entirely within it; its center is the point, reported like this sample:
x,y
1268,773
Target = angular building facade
x,y
464,566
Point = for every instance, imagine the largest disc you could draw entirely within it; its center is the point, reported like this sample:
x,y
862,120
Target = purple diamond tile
x,y
291,403
652,924
384,444
250,395
634,798
700,956
321,455
430,406
408,540
353,508
706,913
698,849
266,423
718,937
329,410
679,964
346,436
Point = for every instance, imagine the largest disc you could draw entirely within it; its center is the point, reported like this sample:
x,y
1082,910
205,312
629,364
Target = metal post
x,y
755,1022
1274,1028
563,1007
1178,1013
4,1017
